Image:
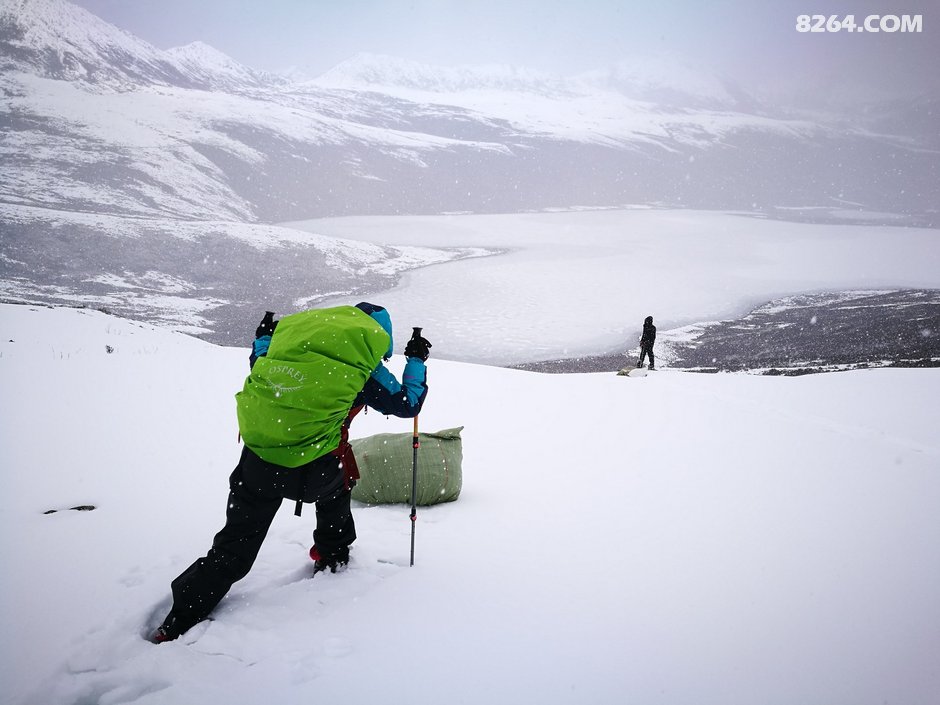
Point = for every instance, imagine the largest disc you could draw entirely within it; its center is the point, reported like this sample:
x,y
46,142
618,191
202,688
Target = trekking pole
x,y
414,489
415,444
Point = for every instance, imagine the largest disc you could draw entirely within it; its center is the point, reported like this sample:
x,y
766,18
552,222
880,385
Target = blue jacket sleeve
x,y
385,394
259,349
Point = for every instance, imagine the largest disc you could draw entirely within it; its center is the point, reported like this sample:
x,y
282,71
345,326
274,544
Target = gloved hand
x,y
267,325
418,347
262,338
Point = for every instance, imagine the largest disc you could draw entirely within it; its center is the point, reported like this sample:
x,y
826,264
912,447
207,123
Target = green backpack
x,y
292,407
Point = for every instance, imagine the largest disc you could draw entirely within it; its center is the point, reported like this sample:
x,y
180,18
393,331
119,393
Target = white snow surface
x,y
677,538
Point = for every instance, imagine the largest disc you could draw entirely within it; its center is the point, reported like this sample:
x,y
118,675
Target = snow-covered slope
x,y
651,103
63,41
694,538
59,40
208,277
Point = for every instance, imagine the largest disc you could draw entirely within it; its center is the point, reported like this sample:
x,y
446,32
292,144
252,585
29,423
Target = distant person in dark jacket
x,y
646,342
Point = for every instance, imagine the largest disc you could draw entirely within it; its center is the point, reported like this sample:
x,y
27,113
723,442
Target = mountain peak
x,y
203,54
207,65
56,39
29,18
59,40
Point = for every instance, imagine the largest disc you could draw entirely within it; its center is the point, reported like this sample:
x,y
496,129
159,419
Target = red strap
x,y
344,450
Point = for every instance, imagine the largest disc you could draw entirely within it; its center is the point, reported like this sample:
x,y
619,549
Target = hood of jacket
x,y
381,316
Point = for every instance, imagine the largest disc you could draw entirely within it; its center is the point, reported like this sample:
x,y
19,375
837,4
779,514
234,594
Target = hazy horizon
x,y
757,47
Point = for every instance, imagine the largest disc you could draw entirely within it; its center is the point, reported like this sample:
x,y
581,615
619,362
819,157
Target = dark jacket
x,y
649,333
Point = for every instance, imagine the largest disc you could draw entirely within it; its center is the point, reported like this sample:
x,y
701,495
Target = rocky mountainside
x,y
58,40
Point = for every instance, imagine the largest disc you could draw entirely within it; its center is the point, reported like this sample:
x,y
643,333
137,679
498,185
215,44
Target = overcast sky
x,y
753,42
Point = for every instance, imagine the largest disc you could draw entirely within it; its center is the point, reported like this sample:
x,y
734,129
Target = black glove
x,y
418,346
267,326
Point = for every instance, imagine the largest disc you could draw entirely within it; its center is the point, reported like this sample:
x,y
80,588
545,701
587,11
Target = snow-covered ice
x,y
581,282
678,538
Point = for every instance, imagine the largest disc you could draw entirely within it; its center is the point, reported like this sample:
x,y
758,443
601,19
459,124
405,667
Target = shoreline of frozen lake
x,y
580,283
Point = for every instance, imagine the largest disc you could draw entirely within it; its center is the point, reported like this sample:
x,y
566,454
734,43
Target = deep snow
x,y
678,538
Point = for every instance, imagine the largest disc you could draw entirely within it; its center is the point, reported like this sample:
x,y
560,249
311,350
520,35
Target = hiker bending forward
x,y
312,372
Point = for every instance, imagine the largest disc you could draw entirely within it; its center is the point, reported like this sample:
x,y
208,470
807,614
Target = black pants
x,y
644,350
256,489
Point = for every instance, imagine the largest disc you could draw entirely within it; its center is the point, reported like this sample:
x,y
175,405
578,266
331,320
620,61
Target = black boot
x,y
337,560
171,629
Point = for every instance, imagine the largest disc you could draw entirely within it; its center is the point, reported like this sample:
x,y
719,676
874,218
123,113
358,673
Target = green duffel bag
x,y
385,464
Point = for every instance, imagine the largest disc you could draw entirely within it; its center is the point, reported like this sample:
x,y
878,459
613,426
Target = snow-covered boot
x,y
161,635
321,562
168,631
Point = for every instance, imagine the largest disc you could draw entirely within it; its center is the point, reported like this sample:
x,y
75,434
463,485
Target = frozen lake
x,y
581,282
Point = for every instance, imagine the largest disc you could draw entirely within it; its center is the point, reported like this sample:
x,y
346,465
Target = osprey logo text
x,y
287,370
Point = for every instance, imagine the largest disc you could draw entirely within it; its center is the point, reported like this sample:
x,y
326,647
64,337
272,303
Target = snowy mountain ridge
x,y
218,70
57,39
382,72
663,79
